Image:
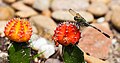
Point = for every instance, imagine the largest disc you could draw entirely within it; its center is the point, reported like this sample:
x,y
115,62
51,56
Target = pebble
x,y
2,26
3,57
60,49
43,45
19,5
9,1
117,35
112,55
108,16
6,12
24,10
62,15
1,1
98,9
34,37
47,50
26,14
101,19
116,19
29,2
114,41
41,4
34,29
46,13
36,60
36,44
65,4
65,15
114,4
47,36
51,60
103,1
95,43
45,22
3,54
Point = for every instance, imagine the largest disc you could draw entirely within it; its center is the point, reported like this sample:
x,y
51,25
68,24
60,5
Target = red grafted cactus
x,y
18,30
66,33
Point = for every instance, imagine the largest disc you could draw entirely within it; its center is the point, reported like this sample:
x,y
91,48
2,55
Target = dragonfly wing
x,y
75,13
72,12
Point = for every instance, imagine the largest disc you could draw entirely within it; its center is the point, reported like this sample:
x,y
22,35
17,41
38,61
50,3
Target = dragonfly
x,y
80,21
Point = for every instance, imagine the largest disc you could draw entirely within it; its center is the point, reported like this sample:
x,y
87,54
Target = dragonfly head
x,y
78,19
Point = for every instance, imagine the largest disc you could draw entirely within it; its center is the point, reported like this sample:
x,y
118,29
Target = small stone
x,y
36,44
1,1
51,60
2,26
114,41
114,4
29,2
3,57
43,45
67,4
65,15
98,9
108,16
101,19
25,14
47,50
62,15
94,42
45,22
34,29
46,13
9,1
102,1
19,5
6,12
3,54
24,10
48,36
36,60
116,19
60,48
41,4
34,37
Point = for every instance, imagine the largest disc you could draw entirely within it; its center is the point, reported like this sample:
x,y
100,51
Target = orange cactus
x,y
18,30
66,33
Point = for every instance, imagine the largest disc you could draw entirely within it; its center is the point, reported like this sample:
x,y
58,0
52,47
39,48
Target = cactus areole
x,y
66,33
18,30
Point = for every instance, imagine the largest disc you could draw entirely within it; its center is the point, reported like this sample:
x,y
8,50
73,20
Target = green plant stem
x,y
72,54
19,53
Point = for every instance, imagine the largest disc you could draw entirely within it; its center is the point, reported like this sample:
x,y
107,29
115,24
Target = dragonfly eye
x,y
76,18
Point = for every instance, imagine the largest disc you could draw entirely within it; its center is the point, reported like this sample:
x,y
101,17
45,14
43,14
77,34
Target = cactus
x,y
72,54
68,35
19,53
19,32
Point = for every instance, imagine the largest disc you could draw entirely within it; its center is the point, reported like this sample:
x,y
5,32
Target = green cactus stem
x,y
19,53
73,54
